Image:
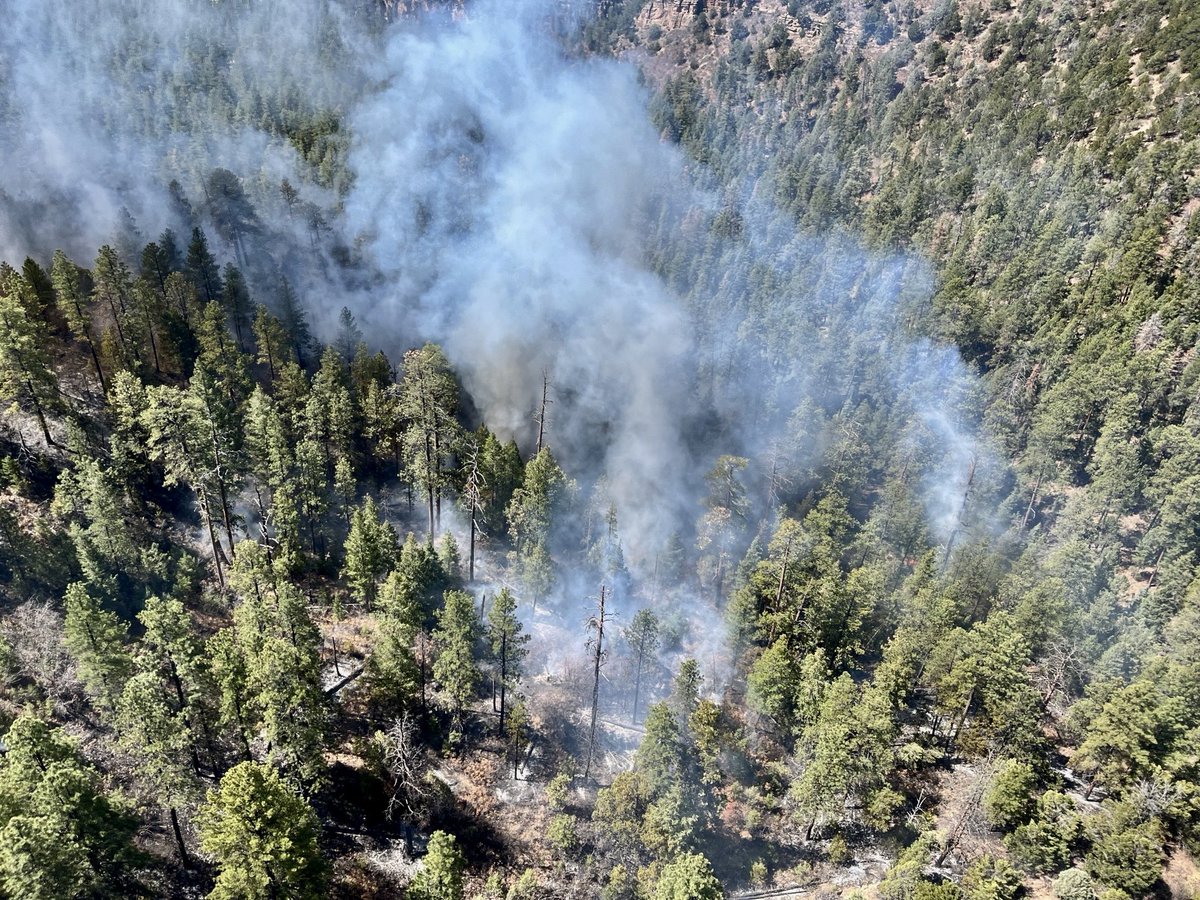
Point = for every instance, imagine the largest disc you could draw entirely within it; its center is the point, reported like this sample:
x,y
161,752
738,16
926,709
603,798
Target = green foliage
x,y
96,638
525,888
441,873
537,505
1044,843
455,668
428,400
989,878
659,757
508,640
269,666
687,877
1074,884
1126,850
60,834
905,877
262,836
557,791
1009,801
563,835
370,550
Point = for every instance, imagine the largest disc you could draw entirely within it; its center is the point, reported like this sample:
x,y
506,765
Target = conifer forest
x,y
622,449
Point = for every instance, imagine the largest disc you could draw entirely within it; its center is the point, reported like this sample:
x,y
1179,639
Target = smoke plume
x,y
490,190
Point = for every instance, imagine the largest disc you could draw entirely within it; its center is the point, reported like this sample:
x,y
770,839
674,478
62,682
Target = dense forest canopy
x,y
628,449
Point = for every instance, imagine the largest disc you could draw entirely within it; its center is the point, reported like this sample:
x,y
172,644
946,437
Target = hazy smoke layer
x,y
504,199
502,191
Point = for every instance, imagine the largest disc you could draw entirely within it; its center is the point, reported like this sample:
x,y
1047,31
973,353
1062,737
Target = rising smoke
x,y
505,198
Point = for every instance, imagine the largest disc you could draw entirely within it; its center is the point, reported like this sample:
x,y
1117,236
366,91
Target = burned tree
x,y
595,643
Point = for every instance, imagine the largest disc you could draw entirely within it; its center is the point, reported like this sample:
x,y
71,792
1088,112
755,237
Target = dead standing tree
x,y
595,643
404,766
970,821
541,414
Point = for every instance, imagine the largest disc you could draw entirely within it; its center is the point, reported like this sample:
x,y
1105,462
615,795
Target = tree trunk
x,y
471,563
184,859
503,674
1033,498
429,493
962,718
96,362
212,537
41,415
595,685
637,682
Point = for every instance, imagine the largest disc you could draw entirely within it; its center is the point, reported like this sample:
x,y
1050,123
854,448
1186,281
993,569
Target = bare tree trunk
x,y
503,674
597,657
212,537
1033,498
96,363
471,552
542,411
184,859
429,493
637,683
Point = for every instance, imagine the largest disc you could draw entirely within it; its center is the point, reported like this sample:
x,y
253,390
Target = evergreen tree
x,y
72,302
263,837
428,403
370,551
235,298
508,644
441,873
60,834
202,268
455,668
97,640
688,877
26,378
642,636
274,349
294,322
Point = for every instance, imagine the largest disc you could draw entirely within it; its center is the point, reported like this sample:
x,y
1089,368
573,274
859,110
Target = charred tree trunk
x,y
597,657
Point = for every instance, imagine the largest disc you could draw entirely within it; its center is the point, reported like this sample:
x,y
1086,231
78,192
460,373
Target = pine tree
x,y
172,648
97,639
642,636
455,668
272,465
157,733
26,378
441,874
73,304
113,289
370,552
202,268
275,665
263,837
349,335
329,411
428,403
235,298
274,348
516,731
508,644
219,355
533,512
659,757
688,877
60,834
294,322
